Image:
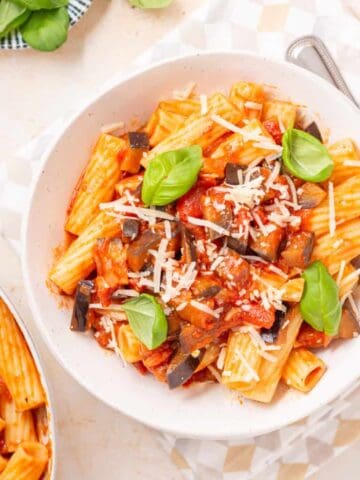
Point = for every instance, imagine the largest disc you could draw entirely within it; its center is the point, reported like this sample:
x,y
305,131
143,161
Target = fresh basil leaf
x,y
320,305
46,30
42,4
150,3
12,16
305,157
170,175
147,320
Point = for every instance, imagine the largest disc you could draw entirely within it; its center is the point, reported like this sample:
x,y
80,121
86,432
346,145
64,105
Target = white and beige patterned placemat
x,y
266,27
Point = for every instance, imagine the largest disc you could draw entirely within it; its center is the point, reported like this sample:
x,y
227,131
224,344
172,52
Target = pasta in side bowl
x,y
25,446
217,244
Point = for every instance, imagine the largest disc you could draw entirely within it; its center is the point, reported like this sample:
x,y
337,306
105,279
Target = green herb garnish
x,y
305,157
46,30
170,175
320,305
147,320
12,16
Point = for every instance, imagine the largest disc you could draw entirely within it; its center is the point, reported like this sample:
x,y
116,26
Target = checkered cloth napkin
x,y
295,452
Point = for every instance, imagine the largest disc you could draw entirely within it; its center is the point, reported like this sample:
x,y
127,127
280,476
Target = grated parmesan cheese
x,y
203,105
216,263
351,276
253,105
185,93
126,292
351,163
278,271
207,224
341,272
221,359
112,127
144,213
204,308
273,175
167,227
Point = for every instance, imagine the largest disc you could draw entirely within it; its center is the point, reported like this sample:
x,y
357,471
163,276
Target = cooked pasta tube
x,y
129,344
292,290
2,424
97,184
346,160
166,123
284,112
303,370
242,362
200,130
28,462
347,207
343,246
3,463
244,152
270,372
348,280
19,425
249,97
17,367
78,261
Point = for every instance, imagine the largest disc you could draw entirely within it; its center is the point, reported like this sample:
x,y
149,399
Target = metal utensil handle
x,y
295,54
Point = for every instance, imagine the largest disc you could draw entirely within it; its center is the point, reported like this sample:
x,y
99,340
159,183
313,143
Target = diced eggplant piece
x,y
138,143
181,368
81,306
349,327
356,262
139,140
217,211
299,249
231,173
310,195
188,245
234,269
137,253
130,229
313,129
237,244
270,335
210,291
267,246
193,337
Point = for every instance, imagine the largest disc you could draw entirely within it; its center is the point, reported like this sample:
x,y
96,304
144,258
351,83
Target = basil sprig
x,y
46,30
305,157
170,175
147,320
12,16
150,3
320,305
42,4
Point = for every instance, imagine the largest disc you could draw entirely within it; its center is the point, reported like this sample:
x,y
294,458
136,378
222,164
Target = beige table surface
x,y
35,89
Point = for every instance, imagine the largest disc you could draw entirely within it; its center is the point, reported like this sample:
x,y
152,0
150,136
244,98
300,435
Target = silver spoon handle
x,y
311,53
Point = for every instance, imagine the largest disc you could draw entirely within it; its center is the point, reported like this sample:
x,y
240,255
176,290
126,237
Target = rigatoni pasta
x,y
28,462
19,426
17,366
97,184
303,370
25,437
227,256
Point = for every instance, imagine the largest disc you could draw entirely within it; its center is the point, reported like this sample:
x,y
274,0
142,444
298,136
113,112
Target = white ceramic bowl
x,y
195,412
45,418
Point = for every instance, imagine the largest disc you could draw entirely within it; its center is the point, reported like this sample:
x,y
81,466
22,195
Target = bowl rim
x,y
96,97
39,365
